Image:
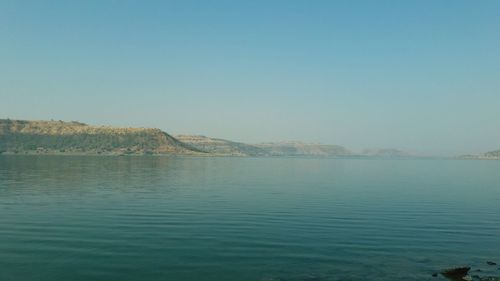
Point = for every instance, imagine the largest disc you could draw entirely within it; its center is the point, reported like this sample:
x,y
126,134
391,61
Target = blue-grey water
x,y
255,219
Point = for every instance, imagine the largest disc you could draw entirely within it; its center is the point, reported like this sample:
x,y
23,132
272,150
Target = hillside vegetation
x,y
18,136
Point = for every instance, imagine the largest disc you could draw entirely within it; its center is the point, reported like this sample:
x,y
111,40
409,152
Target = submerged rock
x,y
491,263
456,274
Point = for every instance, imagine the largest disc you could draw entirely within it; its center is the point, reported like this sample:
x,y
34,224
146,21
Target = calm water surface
x,y
255,219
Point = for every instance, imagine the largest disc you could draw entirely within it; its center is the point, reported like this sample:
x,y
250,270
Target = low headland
x,y
75,138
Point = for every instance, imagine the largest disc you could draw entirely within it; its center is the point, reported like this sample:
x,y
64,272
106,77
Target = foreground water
x,y
164,218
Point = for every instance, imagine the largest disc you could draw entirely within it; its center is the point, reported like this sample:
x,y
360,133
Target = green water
x,y
255,219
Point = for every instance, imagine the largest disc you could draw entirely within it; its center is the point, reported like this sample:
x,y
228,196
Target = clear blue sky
x,y
417,75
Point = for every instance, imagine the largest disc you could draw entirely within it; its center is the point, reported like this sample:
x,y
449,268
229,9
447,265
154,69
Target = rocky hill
x,y
58,137
221,146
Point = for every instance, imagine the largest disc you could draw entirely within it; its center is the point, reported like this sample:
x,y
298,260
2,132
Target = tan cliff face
x,y
19,136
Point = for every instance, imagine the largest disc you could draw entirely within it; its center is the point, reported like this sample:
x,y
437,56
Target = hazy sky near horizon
x,y
418,75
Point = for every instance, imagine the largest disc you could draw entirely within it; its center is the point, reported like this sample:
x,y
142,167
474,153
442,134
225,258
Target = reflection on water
x,y
187,218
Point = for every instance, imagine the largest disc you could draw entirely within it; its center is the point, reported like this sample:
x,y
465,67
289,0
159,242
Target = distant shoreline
x,y
208,155
22,137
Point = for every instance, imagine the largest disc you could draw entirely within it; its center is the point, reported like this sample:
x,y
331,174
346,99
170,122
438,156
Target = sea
x,y
173,218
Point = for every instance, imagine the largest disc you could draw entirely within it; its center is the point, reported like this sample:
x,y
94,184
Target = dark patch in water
x,y
457,273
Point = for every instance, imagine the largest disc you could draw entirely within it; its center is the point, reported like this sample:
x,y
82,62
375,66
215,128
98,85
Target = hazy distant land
x,y
490,155
58,137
